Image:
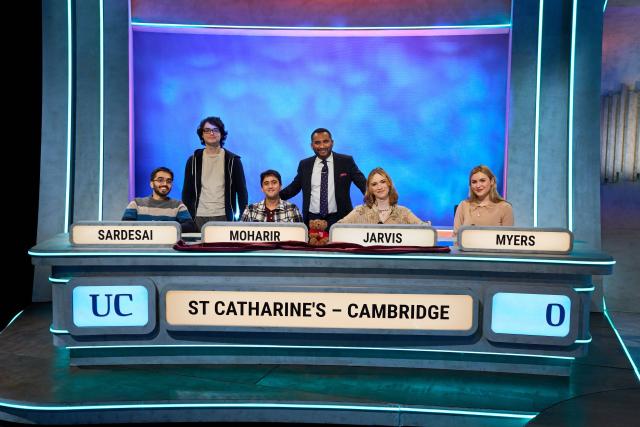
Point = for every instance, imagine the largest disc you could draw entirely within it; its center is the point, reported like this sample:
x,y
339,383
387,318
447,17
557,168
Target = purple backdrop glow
x,y
425,108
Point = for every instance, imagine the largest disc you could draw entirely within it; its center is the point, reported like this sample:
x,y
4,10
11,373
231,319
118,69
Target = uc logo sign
x,y
96,306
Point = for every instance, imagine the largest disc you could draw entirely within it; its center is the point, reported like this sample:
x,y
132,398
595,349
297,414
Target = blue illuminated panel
x,y
531,314
109,306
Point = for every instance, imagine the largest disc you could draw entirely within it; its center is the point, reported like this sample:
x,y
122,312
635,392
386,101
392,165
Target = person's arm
x,y
240,185
246,215
188,193
296,215
352,217
186,222
357,176
294,188
458,219
131,212
507,218
411,218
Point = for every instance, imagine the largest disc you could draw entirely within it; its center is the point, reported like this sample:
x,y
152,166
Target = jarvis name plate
x,y
384,235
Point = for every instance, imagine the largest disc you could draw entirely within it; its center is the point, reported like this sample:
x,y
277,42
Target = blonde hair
x,y
493,193
369,198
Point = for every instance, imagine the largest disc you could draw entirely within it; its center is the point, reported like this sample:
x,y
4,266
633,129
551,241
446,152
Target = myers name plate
x,y
252,232
384,235
416,313
124,233
510,239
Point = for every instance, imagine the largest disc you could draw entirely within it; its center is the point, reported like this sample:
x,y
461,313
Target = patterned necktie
x,y
324,189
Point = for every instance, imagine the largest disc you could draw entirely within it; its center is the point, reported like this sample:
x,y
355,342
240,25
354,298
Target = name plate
x,y
124,233
384,235
320,310
510,239
252,232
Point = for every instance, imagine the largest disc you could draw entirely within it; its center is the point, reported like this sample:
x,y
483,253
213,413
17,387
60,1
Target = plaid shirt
x,y
285,212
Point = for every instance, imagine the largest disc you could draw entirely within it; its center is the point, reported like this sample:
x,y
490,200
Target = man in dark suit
x,y
325,180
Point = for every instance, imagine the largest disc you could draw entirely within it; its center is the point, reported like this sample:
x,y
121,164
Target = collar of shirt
x,y
485,204
319,160
263,205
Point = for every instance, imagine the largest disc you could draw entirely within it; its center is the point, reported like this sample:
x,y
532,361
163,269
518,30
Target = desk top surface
x,y
582,260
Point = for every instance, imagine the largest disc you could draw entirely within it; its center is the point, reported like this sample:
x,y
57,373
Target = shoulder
x,y
504,205
403,209
362,209
308,160
230,154
255,205
173,203
141,201
464,204
342,157
288,205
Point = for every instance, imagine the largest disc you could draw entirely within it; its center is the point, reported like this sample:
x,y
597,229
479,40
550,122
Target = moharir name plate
x,y
124,233
384,235
252,232
510,239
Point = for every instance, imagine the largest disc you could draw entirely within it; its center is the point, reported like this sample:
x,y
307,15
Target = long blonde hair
x,y
493,193
370,199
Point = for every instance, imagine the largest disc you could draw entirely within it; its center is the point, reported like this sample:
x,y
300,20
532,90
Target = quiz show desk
x,y
465,310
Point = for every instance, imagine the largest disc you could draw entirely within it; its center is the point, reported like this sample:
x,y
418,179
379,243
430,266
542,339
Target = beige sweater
x,y
363,214
486,213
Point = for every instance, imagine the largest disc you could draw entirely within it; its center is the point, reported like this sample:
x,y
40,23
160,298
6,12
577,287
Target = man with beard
x,y
325,181
159,206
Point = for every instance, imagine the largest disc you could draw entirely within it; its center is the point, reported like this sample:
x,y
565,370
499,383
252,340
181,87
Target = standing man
x,y
325,180
158,206
272,208
213,177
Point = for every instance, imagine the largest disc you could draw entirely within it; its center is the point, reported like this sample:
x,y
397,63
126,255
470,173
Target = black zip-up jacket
x,y
235,186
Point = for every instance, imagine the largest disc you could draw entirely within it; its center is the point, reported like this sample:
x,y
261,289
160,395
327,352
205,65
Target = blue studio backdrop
x,y
425,107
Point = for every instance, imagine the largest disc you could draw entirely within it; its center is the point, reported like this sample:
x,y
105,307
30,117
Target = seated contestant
x,y
381,204
272,208
484,205
158,206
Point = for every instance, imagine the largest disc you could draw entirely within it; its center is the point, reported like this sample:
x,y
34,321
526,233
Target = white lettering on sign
x,y
396,235
126,233
501,239
437,312
253,232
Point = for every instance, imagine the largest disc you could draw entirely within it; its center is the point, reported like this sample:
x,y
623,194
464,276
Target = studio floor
x,y
37,385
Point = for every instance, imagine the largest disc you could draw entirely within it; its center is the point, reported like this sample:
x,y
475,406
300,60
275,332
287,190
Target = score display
x,y
542,316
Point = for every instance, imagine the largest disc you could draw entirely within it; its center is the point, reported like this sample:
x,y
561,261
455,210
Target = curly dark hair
x,y
217,122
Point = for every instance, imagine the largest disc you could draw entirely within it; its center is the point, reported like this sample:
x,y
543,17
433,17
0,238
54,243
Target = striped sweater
x,y
148,209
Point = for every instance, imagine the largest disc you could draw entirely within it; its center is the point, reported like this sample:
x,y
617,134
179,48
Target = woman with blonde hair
x,y
380,204
484,206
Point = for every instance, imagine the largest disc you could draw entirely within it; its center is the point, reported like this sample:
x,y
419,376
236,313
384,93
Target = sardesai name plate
x,y
139,233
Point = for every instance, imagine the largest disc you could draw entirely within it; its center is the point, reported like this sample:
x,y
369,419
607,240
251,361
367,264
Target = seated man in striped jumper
x,y
159,206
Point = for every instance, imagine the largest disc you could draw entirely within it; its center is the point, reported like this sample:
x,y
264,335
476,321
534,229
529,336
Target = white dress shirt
x,y
314,203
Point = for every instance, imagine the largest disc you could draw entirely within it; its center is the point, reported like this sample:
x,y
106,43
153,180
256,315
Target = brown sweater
x,y
486,213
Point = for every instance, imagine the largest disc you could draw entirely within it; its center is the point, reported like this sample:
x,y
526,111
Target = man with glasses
x,y
158,206
214,177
